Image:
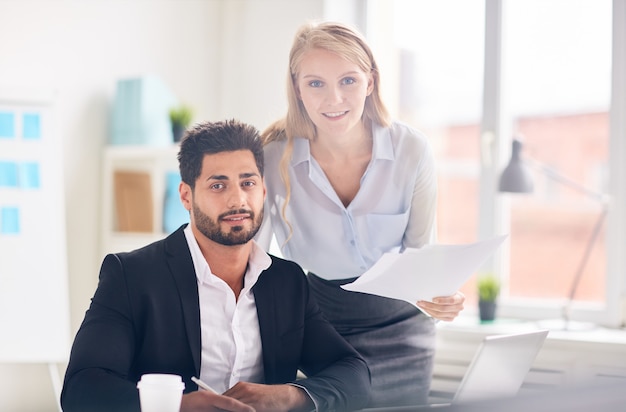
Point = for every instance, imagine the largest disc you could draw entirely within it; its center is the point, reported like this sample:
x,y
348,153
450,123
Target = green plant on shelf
x,y
181,115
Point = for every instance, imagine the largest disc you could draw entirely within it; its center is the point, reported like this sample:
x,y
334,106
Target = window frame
x,y
494,209
494,215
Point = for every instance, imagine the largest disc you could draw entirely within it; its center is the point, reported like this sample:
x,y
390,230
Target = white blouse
x,y
395,206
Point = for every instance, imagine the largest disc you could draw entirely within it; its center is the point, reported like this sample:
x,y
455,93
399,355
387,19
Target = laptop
x,y
497,369
500,365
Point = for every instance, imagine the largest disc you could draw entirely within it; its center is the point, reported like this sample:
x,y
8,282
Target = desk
x,y
585,398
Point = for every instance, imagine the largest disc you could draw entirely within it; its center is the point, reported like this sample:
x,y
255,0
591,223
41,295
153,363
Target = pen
x,y
203,385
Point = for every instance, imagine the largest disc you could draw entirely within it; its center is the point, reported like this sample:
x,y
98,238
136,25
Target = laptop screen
x,y
500,365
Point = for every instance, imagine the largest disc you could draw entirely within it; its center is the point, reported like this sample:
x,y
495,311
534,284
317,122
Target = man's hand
x,y
445,307
271,398
207,401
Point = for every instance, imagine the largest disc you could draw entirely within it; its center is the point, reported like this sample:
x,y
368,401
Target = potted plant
x,y
488,290
180,117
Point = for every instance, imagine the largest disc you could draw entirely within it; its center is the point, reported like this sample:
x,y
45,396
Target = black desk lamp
x,y
516,178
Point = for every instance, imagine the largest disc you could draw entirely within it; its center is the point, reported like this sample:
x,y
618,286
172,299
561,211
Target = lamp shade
x,y
516,177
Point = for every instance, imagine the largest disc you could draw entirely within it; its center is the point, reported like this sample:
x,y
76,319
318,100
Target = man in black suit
x,y
207,301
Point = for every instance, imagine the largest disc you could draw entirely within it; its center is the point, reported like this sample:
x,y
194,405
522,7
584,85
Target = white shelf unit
x,y
156,161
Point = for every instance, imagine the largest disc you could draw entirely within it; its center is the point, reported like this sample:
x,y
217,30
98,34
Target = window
x,y
441,65
557,85
440,93
473,74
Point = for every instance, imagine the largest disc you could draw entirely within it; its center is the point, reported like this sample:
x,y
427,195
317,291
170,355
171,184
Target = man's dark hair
x,y
216,137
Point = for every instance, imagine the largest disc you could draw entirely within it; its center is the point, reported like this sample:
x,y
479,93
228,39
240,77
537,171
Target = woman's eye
x,y
348,80
315,83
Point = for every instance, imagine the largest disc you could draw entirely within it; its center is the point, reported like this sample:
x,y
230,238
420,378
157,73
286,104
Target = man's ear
x,y
186,195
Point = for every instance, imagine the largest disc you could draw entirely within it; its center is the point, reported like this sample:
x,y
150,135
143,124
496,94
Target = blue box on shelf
x,y
174,213
140,114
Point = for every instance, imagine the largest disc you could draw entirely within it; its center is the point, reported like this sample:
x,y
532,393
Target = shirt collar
x,y
258,261
382,147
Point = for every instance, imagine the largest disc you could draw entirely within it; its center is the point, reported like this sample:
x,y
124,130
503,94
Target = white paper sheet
x,y
426,273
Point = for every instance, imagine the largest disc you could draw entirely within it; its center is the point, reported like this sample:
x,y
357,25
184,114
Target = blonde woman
x,y
346,184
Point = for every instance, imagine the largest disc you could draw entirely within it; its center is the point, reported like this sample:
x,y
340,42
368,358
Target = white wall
x,y
79,50
226,58
256,38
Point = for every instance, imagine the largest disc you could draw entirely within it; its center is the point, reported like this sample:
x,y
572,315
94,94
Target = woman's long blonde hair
x,y
346,42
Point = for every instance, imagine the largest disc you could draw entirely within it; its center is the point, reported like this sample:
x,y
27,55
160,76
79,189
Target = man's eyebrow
x,y
217,177
246,175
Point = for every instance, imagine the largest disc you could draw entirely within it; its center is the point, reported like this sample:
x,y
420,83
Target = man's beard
x,y
236,236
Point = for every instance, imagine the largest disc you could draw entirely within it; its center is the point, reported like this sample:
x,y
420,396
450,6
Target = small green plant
x,y
181,116
488,287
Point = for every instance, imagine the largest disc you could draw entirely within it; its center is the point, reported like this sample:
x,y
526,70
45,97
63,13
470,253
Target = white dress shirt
x,y
231,339
395,206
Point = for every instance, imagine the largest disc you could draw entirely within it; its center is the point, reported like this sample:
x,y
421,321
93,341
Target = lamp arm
x,y
560,178
603,199
583,263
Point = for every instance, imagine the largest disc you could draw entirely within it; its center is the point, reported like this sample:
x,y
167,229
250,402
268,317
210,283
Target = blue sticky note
x,y
8,174
29,175
31,126
7,125
9,220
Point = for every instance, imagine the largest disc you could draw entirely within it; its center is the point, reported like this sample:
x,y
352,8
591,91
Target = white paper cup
x,y
159,392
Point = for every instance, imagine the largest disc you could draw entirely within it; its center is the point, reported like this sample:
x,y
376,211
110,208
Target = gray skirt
x,y
396,339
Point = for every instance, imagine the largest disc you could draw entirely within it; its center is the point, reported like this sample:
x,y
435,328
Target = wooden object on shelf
x,y
133,201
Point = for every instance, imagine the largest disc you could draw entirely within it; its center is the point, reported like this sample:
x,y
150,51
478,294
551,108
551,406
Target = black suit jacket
x,y
145,318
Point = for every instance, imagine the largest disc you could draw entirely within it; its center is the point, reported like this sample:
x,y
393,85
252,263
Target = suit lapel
x,y
182,269
266,311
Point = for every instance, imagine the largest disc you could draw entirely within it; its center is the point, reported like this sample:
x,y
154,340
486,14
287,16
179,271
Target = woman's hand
x,y
445,308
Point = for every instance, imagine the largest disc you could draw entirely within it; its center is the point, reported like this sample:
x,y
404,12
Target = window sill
x,y
574,331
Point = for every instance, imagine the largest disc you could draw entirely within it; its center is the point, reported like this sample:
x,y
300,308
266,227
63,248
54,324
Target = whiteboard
x,y
34,301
